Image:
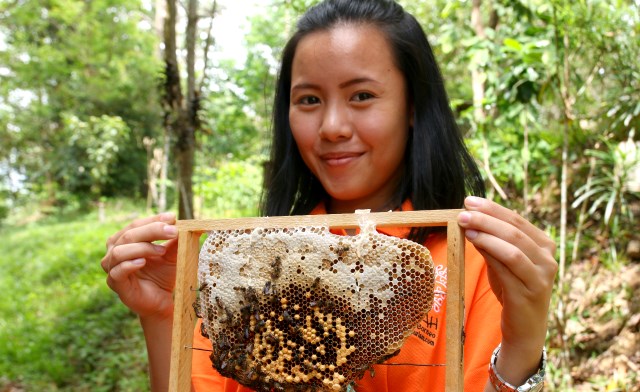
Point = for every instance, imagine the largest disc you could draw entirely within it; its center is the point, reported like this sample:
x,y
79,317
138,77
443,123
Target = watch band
x,y
535,383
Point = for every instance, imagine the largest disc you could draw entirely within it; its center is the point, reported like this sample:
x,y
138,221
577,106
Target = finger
x,y
519,244
504,214
118,276
166,217
171,249
154,231
504,258
127,252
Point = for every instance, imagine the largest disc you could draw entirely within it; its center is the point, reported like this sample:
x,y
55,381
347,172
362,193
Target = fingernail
x,y
167,217
170,230
471,234
159,248
473,201
138,261
464,217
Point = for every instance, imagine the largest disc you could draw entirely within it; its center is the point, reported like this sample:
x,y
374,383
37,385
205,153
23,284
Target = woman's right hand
x,y
141,272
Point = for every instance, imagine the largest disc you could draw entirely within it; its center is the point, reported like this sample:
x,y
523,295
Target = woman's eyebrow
x,y
348,83
304,86
356,81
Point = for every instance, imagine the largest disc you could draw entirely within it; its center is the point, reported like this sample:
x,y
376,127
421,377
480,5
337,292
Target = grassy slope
x,y
61,328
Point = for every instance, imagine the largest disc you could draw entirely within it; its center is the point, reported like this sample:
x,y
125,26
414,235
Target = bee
x,y
250,375
246,332
228,317
222,362
271,339
287,317
197,307
219,303
268,290
223,344
242,358
328,305
315,284
342,250
250,295
259,325
246,312
276,266
309,366
203,331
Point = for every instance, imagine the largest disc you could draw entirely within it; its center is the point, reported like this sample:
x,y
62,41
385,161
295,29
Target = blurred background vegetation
x,y
112,109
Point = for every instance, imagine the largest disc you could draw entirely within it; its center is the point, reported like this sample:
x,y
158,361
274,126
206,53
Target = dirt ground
x,y
599,330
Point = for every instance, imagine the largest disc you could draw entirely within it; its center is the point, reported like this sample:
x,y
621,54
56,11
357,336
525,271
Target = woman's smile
x,y
340,159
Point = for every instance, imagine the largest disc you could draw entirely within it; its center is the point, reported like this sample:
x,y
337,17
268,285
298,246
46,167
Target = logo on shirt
x,y
439,288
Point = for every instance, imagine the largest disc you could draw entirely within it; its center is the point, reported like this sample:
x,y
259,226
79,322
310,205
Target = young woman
x,y
362,120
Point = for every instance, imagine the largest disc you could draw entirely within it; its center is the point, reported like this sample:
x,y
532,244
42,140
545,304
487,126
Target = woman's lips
x,y
340,159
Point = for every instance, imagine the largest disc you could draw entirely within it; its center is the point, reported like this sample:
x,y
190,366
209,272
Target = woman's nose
x,y
335,123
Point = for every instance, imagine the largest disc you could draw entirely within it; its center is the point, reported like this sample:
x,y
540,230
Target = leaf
x,y
583,198
596,204
513,44
610,205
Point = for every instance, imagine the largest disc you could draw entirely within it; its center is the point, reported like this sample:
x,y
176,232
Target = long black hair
x,y
439,170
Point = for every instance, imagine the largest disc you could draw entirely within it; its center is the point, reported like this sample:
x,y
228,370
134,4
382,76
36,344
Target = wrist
x,y
513,377
156,320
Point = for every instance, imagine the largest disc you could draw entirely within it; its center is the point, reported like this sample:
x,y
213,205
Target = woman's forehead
x,y
346,47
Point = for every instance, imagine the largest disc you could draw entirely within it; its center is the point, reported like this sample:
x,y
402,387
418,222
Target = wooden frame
x,y
189,232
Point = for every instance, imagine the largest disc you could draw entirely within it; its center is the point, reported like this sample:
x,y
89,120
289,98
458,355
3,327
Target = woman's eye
x,y
359,97
308,100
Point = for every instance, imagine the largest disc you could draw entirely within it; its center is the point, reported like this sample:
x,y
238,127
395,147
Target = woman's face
x,y
349,115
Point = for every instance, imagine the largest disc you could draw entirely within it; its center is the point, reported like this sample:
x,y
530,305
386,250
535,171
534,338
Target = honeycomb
x,y
302,309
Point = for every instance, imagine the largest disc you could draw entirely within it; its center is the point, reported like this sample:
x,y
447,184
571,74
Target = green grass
x,y
61,328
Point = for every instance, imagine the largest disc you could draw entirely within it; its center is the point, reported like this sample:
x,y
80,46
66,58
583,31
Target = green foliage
x,y
230,189
93,149
74,58
61,328
608,195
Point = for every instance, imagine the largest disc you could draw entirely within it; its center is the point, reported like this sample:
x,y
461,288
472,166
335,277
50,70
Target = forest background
x,y
113,109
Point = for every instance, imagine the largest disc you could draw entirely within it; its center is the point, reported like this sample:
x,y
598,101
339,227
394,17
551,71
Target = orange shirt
x,y
427,345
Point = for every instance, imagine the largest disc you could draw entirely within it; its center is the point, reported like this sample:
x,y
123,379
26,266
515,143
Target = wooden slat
x,y
187,264
183,315
455,308
346,221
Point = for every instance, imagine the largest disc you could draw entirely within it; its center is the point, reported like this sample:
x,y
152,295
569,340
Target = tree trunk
x,y
160,17
563,72
477,76
181,116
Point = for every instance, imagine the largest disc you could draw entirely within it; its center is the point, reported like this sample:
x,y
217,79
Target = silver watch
x,y
535,383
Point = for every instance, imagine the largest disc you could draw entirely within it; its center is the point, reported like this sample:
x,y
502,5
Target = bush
x,y
62,328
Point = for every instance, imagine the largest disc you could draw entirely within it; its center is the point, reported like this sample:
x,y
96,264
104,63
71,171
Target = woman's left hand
x,y
521,270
